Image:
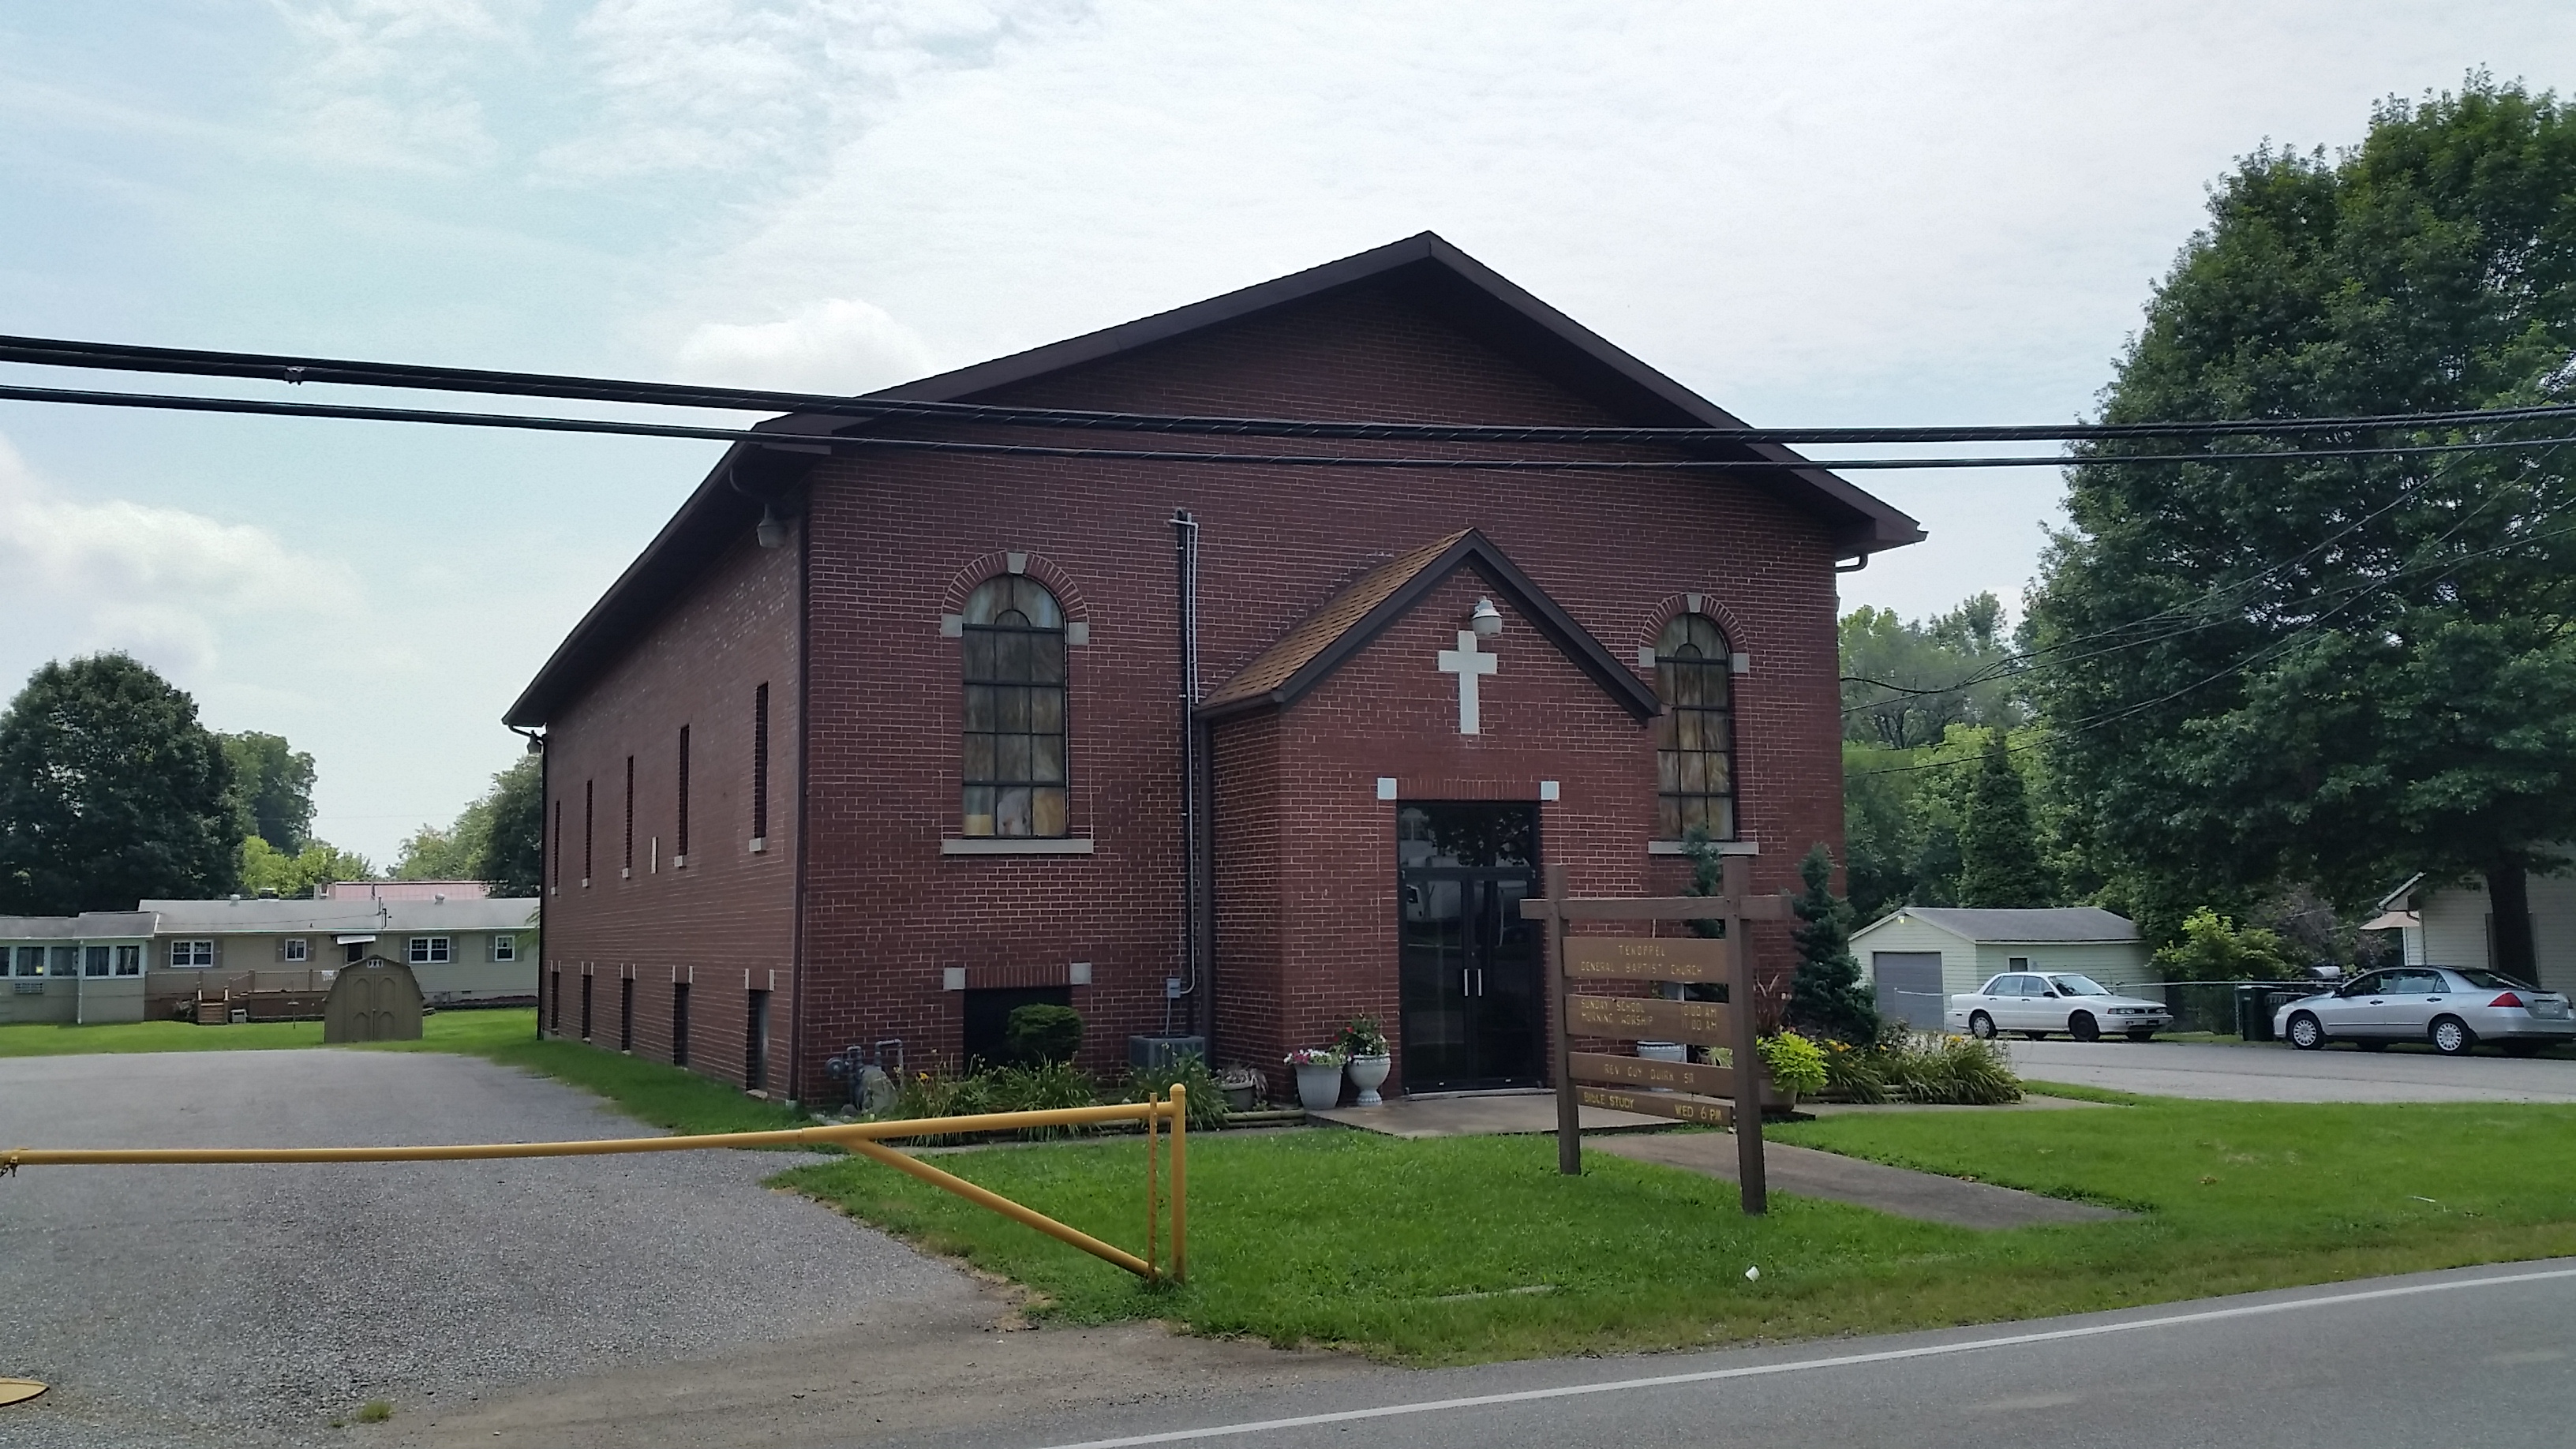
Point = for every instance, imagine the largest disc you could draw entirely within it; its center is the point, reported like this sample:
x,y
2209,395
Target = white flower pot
x,y
1368,1074
1319,1089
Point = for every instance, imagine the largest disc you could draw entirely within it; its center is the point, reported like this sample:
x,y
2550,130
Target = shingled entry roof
x,y
1324,640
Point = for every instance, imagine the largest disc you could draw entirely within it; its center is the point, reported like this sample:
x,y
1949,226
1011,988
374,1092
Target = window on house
x,y
1695,736
554,1000
628,865
31,960
589,816
556,879
298,949
626,1014
586,979
679,1023
680,843
429,951
129,960
760,763
1015,769
95,959
192,953
505,948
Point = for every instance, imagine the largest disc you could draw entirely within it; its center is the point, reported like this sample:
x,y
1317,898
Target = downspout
x,y
1185,544
545,794
804,712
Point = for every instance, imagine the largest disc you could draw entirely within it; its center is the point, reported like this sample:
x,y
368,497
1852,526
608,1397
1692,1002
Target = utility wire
x,y
834,442
60,352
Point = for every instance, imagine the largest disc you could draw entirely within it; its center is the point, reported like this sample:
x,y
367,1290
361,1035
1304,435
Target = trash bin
x,y
2254,1013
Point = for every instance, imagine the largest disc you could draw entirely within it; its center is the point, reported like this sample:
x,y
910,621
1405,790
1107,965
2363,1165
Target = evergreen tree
x,y
1999,861
1826,995
110,792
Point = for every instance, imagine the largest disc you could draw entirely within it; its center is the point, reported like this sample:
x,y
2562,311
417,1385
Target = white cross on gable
x,y
1465,662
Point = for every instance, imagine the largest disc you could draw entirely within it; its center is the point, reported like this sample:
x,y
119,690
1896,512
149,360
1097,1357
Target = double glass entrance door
x,y
1469,970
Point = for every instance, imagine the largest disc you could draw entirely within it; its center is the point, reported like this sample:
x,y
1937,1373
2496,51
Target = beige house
x,y
1920,957
104,966
2453,925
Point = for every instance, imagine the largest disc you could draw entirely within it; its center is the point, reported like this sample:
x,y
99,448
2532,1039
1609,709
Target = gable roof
x,y
1428,270
1326,639
2058,925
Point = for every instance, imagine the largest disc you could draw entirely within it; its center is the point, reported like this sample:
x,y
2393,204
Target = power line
x,y
834,442
281,367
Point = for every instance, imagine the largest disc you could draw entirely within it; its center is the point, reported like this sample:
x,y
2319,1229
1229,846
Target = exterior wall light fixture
x,y
1486,620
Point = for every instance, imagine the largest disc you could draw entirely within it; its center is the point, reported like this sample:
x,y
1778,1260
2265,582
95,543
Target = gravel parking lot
x,y
2277,1073
254,1304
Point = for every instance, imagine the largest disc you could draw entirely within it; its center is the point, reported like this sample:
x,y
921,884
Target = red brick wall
x,y
726,920
897,538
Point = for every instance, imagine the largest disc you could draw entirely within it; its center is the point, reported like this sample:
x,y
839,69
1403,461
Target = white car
x,y
2036,1003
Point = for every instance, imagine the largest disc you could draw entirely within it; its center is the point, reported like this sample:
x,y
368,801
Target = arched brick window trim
x,y
1673,606
1068,594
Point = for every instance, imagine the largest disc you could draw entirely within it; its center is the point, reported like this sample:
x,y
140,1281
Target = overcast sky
x,y
1811,213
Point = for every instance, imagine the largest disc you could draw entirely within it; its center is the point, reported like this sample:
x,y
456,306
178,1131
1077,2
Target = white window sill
x,y
1015,845
1724,847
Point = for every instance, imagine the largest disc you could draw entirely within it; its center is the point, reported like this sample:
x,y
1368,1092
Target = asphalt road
x,y
2475,1357
253,1304
2278,1073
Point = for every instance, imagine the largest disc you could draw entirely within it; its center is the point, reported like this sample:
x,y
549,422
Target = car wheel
x,y
2083,1027
2305,1033
2451,1036
1981,1025
2523,1048
2143,1034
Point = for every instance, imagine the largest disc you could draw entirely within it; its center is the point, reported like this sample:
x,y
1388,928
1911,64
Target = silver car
x,y
2036,1003
2452,1007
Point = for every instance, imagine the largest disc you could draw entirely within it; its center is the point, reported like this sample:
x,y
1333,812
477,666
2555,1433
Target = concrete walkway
x,y
1905,1193
1800,1170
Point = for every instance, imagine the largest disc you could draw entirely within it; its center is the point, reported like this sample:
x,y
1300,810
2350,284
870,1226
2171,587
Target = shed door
x,y
1909,987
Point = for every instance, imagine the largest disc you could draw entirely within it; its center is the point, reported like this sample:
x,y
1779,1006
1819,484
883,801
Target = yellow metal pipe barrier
x,y
863,1138
1180,1183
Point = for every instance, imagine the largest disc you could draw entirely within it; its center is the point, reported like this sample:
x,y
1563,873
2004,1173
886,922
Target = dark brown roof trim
x,y
1472,550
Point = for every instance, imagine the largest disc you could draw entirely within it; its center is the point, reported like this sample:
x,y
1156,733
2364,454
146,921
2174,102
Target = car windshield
x,y
2488,980
2077,986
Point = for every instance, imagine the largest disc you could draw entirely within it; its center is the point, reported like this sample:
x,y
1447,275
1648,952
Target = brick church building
x,y
874,743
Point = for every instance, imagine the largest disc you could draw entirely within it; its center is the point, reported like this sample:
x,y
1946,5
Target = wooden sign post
x,y
1719,1096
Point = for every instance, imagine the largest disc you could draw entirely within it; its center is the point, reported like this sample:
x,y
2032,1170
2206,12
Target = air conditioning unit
x,y
1154,1053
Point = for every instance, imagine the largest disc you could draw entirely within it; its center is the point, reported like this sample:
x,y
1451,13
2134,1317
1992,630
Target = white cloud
x,y
387,84
836,346
161,582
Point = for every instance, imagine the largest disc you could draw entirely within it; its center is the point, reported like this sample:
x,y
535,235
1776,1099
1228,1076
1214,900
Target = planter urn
x,y
1367,1075
1319,1089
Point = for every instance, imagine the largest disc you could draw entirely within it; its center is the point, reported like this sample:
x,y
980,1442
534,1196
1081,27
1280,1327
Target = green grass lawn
x,y
1350,1238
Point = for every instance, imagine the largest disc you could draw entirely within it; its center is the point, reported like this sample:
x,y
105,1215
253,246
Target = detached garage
x,y
1920,957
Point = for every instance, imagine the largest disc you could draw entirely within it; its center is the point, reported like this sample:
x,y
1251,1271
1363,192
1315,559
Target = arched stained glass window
x,y
1695,738
1015,768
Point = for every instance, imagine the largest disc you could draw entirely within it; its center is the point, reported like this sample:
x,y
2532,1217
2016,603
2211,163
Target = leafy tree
x,y
1999,857
513,853
2338,670
2214,948
498,838
1826,995
273,788
430,853
266,868
1905,685
110,792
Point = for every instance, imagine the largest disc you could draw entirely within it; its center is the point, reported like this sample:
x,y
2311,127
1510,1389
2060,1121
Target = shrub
x,y
1959,1069
1039,1032
1206,1094
1037,1087
1797,1064
1856,1073
2215,948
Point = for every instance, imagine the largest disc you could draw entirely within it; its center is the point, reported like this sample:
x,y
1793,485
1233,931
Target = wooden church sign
x,y
1683,1091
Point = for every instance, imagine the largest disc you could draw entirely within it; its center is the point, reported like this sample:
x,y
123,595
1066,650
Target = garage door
x,y
1909,987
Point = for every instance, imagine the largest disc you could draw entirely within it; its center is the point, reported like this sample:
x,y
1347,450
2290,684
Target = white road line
x,y
1524,1396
